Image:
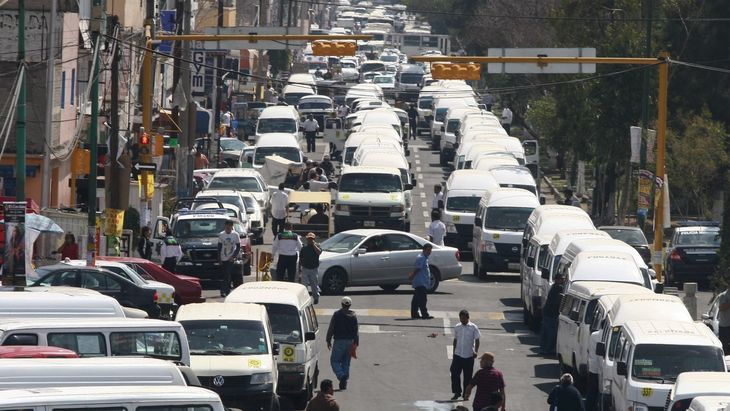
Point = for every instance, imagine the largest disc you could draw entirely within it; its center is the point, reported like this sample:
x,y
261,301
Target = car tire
x,y
334,281
435,279
389,287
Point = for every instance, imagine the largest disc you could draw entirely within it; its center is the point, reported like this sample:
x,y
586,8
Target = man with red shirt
x,y
487,380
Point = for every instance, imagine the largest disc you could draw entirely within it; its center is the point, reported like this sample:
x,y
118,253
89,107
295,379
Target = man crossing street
x,y
344,329
466,347
311,125
287,245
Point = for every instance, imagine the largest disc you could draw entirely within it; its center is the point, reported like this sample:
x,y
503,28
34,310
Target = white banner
x,y
635,144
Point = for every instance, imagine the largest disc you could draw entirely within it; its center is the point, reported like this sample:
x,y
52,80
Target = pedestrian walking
x,y
488,381
327,166
200,161
437,201
342,111
279,209
506,119
325,399
550,312
420,281
466,347
437,230
565,397
311,125
344,329
229,247
309,263
170,252
413,120
144,245
226,117
287,245
488,100
723,317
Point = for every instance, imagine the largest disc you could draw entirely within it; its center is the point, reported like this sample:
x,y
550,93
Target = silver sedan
x,y
369,257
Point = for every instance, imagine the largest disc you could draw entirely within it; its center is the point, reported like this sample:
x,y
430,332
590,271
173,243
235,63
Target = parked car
x,y
367,257
187,289
104,281
231,149
632,236
27,351
692,254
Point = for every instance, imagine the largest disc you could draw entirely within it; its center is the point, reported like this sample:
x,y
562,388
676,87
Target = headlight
x,y
291,368
637,406
488,247
397,209
451,228
262,378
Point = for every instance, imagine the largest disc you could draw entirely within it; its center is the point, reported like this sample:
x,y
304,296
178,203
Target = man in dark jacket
x,y
549,331
565,397
412,120
344,329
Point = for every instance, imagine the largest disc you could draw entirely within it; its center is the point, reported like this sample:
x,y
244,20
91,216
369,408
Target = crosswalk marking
x,y
450,352
384,312
424,204
423,195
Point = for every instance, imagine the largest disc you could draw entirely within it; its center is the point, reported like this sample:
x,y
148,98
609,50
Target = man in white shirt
x,y
506,119
279,205
226,122
437,230
437,202
287,246
229,245
311,125
466,347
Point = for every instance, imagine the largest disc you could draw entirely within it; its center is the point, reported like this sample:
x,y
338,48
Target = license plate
x,y
513,266
368,223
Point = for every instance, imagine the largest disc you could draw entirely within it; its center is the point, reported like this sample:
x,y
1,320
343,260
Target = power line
x,y
701,66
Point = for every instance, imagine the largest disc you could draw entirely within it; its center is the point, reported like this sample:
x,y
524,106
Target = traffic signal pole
x,y
662,63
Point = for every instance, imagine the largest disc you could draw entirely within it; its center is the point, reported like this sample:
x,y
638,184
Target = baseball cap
x,y
347,301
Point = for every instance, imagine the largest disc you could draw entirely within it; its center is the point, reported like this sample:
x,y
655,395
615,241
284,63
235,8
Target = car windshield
x,y
284,321
234,183
452,126
370,183
507,218
292,99
141,271
411,78
276,125
317,65
440,114
250,203
199,227
699,238
527,187
314,105
628,236
289,153
462,204
425,103
232,145
226,337
383,80
660,362
232,200
372,67
341,243
390,58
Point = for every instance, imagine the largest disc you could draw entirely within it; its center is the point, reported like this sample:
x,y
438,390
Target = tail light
x,y
458,255
155,297
675,256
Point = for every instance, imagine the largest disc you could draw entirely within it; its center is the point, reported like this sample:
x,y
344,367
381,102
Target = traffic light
x,y
145,146
333,48
451,71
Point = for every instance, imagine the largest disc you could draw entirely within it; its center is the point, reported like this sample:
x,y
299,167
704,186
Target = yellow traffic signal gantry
x,y
456,71
333,48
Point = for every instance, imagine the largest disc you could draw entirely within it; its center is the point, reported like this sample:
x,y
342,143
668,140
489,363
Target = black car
x,y
692,254
106,282
632,236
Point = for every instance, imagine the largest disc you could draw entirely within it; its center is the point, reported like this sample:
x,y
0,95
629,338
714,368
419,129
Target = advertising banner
x,y
14,258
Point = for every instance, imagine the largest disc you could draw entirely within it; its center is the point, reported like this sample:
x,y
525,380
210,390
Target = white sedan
x,y
369,257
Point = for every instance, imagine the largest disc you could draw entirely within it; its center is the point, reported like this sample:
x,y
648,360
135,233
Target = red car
x,y
187,289
27,351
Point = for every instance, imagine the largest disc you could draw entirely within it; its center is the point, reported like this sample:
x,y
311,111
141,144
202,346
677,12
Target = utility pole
x,y
217,95
93,142
647,12
50,77
184,158
20,123
117,187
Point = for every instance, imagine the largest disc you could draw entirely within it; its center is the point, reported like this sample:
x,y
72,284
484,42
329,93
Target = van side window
x,y
543,258
565,304
590,312
597,318
313,316
532,250
85,344
575,307
158,344
21,339
621,342
613,338
625,351
582,310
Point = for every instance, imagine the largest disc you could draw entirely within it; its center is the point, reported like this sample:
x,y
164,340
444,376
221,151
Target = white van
x,y
452,122
294,92
542,215
513,176
710,403
462,193
488,161
232,351
441,105
694,388
277,144
371,197
498,225
390,158
606,265
295,327
128,398
472,149
101,337
577,312
650,355
376,143
277,119
606,326
93,372
355,139
58,305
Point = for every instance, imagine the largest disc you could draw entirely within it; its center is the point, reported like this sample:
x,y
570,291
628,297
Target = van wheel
x,y
334,281
435,279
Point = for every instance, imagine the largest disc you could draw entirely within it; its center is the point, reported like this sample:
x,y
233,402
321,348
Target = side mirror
x,y
601,349
478,221
361,251
408,187
530,261
621,368
542,200
275,348
443,129
659,288
457,133
652,273
310,336
545,273
706,317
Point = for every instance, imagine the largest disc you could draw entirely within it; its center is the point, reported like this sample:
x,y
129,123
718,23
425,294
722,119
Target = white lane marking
x,y
418,161
373,329
450,352
420,176
423,203
423,195
418,169
420,185
425,223
447,326
425,214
